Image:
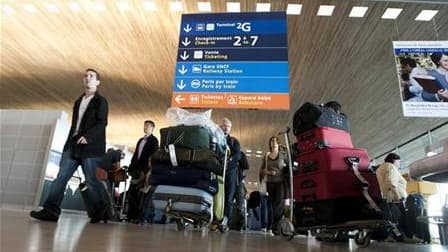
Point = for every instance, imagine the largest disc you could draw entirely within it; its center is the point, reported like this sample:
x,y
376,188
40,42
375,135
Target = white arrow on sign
x,y
181,85
179,99
187,28
186,42
184,56
183,70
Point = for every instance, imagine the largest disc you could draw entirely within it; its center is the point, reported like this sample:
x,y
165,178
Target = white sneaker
x,y
264,230
270,232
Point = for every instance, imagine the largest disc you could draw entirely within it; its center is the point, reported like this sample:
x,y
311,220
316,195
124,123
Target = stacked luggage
x,y
188,174
333,183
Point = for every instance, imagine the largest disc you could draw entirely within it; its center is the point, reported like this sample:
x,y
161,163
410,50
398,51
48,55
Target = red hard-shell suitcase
x,y
324,185
323,137
331,159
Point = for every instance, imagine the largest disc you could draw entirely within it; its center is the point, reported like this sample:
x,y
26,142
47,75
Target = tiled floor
x,y
73,233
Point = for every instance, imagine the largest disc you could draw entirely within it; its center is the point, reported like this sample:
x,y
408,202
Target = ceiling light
x,y
258,152
176,6
325,10
8,10
149,6
358,11
74,6
263,7
255,183
248,155
249,183
30,8
51,8
123,6
431,153
426,15
249,151
391,13
98,6
204,6
294,9
258,156
233,7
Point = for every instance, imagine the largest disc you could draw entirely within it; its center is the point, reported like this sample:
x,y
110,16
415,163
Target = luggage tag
x,y
172,152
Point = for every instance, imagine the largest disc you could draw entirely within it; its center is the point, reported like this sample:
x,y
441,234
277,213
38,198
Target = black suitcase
x,y
201,158
105,207
193,137
165,174
310,116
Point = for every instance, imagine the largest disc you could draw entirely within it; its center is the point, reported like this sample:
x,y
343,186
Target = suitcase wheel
x,y
362,238
180,224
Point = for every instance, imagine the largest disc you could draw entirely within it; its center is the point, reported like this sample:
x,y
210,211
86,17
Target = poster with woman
x,y
422,70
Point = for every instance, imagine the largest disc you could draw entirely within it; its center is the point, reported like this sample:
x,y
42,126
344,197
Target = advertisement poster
x,y
422,68
232,60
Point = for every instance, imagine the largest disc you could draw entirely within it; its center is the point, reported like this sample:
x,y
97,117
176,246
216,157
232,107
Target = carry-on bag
x,y
324,185
200,158
183,200
193,137
323,137
331,159
310,116
104,209
166,174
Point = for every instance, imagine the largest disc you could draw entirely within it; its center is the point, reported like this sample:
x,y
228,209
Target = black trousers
x,y
276,193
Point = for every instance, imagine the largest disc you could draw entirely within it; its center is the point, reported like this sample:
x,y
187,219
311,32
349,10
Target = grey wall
x,y
26,137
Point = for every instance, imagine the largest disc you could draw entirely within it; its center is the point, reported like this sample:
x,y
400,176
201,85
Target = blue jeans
x,y
230,190
67,167
266,212
148,208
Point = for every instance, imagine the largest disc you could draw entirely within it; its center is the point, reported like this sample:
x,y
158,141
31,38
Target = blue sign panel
x,y
241,55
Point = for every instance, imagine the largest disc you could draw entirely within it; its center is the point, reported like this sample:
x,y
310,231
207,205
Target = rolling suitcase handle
x,y
306,184
309,166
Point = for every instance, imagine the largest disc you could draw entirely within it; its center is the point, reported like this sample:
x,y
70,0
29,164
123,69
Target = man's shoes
x,y
101,217
44,215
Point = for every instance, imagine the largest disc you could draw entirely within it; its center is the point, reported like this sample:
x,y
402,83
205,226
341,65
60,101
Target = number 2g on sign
x,y
245,27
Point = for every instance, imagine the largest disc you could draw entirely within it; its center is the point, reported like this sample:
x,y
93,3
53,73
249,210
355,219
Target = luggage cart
x,y
184,219
362,231
287,223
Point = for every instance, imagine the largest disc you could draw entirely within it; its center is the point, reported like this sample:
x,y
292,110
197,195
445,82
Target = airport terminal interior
x,y
280,61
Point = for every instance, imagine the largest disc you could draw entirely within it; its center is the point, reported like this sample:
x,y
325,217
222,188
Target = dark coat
x,y
142,164
235,152
92,127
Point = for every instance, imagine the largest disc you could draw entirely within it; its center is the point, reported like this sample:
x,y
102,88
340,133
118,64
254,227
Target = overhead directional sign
x,y
232,60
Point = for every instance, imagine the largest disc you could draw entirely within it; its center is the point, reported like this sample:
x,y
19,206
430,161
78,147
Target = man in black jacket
x,y
84,147
231,179
139,167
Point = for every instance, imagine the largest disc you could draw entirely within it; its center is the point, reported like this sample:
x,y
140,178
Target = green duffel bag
x,y
202,158
192,137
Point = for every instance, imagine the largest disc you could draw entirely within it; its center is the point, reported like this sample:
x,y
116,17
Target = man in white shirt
x,y
85,145
139,168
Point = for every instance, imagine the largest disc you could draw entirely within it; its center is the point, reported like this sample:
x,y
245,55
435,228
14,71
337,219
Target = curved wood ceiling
x,y
43,56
